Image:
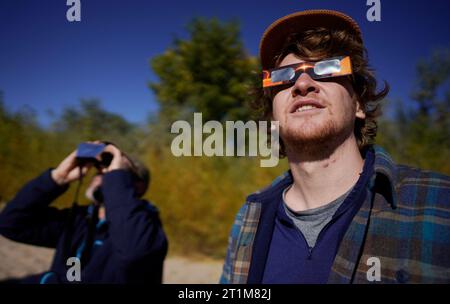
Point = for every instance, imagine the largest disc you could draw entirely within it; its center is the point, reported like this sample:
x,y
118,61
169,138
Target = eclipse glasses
x,y
326,68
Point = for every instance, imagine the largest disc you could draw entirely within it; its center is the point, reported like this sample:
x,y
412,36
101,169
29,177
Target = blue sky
x,y
48,63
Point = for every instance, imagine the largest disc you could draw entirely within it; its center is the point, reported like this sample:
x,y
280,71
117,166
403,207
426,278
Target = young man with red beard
x,y
344,212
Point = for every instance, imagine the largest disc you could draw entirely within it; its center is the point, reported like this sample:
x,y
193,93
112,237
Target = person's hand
x,y
68,171
119,161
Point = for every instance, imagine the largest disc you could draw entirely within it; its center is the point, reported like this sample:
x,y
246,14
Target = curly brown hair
x,y
320,43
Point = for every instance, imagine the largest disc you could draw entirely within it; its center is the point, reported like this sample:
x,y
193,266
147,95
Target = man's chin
x,y
308,133
306,139
314,142
89,196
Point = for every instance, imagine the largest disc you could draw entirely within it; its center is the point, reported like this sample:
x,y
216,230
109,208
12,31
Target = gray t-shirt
x,y
311,222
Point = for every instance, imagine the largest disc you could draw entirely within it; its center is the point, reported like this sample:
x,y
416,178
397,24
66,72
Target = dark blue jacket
x,y
128,247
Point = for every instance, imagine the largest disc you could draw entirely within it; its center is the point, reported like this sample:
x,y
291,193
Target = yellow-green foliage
x,y
199,196
419,143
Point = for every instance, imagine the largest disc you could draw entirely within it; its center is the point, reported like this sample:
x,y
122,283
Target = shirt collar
x,y
386,174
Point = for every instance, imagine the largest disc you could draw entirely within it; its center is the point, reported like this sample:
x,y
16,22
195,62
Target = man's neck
x,y
320,181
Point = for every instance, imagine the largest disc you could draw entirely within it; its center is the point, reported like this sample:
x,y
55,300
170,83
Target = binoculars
x,y
88,153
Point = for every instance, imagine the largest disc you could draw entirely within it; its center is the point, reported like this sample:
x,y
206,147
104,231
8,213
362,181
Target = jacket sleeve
x,y
227,272
134,225
28,217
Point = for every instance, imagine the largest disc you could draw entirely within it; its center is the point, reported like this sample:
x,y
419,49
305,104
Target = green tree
x,y
420,135
90,121
22,147
209,72
433,73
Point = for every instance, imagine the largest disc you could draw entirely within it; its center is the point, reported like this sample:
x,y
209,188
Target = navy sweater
x,y
128,247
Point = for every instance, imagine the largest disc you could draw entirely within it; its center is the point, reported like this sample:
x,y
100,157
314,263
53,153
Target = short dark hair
x,y
141,175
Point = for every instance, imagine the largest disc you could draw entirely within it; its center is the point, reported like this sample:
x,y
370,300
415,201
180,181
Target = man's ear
x,y
359,111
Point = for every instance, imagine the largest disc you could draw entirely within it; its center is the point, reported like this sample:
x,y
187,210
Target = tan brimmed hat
x,y
275,35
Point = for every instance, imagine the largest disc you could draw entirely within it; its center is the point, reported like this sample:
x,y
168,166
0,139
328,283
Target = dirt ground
x,y
17,260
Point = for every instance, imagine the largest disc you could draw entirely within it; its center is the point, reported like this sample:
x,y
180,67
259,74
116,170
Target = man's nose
x,y
304,85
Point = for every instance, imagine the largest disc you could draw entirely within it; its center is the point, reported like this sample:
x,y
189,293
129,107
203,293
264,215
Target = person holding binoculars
x,y
118,238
